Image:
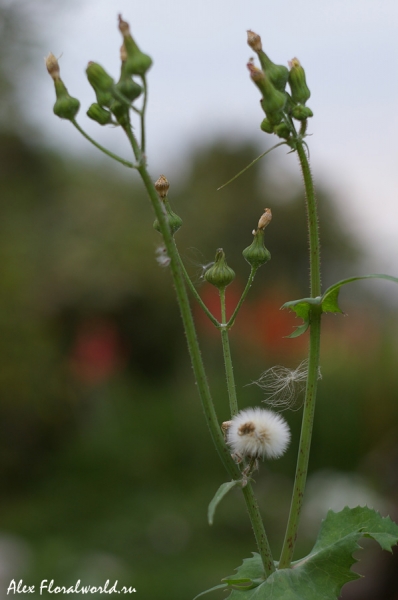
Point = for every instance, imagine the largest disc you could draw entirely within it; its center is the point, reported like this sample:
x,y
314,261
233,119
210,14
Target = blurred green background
x,y
106,465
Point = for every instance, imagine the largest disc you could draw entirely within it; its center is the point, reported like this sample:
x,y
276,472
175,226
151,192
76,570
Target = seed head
x,y
258,433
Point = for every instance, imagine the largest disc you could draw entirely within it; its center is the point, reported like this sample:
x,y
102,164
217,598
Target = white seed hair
x,y
258,433
162,258
283,385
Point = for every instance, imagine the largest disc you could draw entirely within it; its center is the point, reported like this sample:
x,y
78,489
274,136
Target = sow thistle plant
x,y
253,434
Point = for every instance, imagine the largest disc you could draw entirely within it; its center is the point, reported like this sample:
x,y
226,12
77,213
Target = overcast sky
x,y
199,88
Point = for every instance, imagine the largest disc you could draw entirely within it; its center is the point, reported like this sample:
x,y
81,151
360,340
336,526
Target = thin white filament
x,y
283,386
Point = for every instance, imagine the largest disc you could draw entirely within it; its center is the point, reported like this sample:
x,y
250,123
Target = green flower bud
x,y
99,114
301,113
278,74
267,126
220,274
65,106
121,113
101,82
297,82
282,130
273,101
129,88
173,220
137,62
162,187
257,254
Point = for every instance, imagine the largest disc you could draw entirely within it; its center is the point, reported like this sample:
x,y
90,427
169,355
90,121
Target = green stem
x,y
126,163
198,367
313,368
229,372
195,293
143,110
242,298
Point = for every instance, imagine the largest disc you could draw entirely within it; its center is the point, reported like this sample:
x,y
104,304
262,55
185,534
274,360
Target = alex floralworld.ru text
x,y
51,588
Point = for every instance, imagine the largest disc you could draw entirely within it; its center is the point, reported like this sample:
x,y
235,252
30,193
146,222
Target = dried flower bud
x,y
220,274
137,63
52,66
297,82
162,186
65,106
265,219
99,114
254,41
224,428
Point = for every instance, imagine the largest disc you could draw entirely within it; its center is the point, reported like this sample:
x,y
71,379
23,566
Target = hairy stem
x,y
195,293
229,372
242,298
313,367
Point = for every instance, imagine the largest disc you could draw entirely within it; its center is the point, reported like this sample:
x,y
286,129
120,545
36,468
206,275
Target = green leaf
x,y
328,301
327,568
222,586
219,495
331,296
302,308
299,330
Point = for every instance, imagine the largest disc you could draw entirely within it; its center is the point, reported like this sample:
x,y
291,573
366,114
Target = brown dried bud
x,y
162,186
52,66
265,219
123,53
254,41
224,428
124,27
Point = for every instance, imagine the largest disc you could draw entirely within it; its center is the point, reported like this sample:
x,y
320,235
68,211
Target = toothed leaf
x,y
326,569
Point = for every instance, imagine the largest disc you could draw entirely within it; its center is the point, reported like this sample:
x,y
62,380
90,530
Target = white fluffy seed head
x,y
258,433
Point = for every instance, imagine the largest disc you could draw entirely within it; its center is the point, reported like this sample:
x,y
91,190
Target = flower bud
x,y
65,106
282,130
301,113
266,126
99,114
273,101
137,62
173,220
162,186
278,74
101,82
121,113
297,82
257,254
220,274
129,88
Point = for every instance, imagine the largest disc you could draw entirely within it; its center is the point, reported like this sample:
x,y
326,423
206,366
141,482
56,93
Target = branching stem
x,y
126,163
